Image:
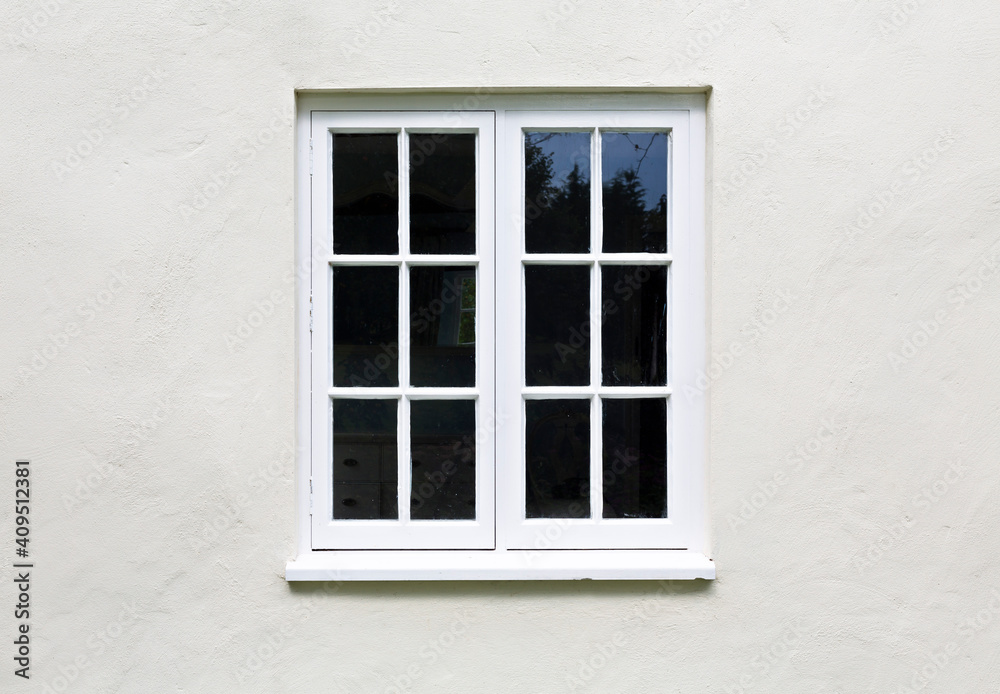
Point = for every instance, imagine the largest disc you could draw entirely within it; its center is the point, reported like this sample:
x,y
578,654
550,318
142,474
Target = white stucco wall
x,y
147,423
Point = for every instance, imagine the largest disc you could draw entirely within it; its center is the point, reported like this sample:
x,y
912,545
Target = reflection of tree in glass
x,y
557,214
469,292
467,321
631,224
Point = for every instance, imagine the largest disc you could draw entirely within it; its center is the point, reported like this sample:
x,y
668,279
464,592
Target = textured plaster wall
x,y
147,206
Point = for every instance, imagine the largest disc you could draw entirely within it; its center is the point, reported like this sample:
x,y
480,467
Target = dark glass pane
x,y
634,184
557,192
557,325
365,194
364,459
365,326
442,339
634,331
557,438
442,193
443,459
635,458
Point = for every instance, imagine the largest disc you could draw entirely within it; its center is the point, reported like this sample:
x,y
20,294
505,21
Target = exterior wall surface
x,y
148,347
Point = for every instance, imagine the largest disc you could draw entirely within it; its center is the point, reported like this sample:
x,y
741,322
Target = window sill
x,y
499,565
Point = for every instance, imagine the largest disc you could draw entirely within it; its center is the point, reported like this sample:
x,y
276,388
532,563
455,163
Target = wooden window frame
x,y
501,543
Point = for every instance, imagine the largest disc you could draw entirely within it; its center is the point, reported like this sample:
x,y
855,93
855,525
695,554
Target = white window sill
x,y
499,565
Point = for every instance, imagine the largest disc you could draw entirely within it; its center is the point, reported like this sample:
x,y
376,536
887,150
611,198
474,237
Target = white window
x,y
501,298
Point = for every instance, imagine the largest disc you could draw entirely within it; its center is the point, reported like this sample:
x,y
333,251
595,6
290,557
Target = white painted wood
x,y
500,565
679,530
603,258
563,392
402,533
593,547
304,254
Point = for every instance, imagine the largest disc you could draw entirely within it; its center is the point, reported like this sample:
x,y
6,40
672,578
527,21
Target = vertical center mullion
x,y
403,433
596,486
597,234
596,176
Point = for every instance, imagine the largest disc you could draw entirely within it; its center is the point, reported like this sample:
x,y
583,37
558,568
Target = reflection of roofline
x,y
355,194
466,198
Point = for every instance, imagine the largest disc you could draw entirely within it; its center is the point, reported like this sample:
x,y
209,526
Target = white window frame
x,y
501,543
404,533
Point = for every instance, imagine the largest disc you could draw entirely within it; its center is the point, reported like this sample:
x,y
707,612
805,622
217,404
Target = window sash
x,y
679,530
402,533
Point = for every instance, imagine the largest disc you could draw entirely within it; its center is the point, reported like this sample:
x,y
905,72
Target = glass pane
x,y
467,328
634,184
557,438
365,194
364,459
557,192
635,458
442,339
442,193
469,293
634,331
365,326
443,459
557,325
